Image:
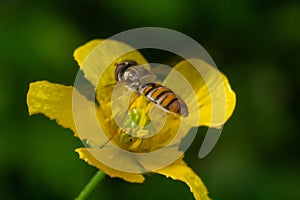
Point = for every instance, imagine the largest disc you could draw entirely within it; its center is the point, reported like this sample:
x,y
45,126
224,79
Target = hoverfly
x,y
137,78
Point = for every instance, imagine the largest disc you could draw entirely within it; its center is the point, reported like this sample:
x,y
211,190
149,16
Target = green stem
x,y
91,185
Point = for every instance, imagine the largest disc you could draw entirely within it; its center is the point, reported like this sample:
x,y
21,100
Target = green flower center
x,y
138,129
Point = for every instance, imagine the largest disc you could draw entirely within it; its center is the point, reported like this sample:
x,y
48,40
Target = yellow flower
x,y
205,109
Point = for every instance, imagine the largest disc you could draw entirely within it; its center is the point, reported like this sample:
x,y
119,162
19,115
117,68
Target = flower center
x,y
136,127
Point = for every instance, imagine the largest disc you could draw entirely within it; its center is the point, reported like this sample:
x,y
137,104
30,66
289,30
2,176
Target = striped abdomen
x,y
164,97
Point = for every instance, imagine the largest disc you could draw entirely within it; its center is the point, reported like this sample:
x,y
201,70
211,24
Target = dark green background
x,y
255,43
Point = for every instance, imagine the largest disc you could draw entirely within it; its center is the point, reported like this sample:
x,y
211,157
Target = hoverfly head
x,y
121,69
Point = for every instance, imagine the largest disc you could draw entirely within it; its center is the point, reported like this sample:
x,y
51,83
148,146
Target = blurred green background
x,y
255,43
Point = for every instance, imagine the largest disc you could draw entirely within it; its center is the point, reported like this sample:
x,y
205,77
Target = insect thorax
x,y
135,76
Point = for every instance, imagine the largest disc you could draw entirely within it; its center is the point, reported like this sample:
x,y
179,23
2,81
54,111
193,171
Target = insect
x,y
138,78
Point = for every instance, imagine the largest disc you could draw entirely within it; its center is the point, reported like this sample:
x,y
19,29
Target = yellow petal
x,y
180,171
90,124
83,51
215,100
98,59
85,154
52,100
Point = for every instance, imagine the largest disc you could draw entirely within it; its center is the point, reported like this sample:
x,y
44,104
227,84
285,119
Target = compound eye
x,y
130,63
121,67
119,70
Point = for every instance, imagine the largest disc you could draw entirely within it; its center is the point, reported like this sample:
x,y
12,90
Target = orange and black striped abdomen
x,y
164,97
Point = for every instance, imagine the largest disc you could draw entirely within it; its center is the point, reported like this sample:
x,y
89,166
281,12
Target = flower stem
x,y
91,185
